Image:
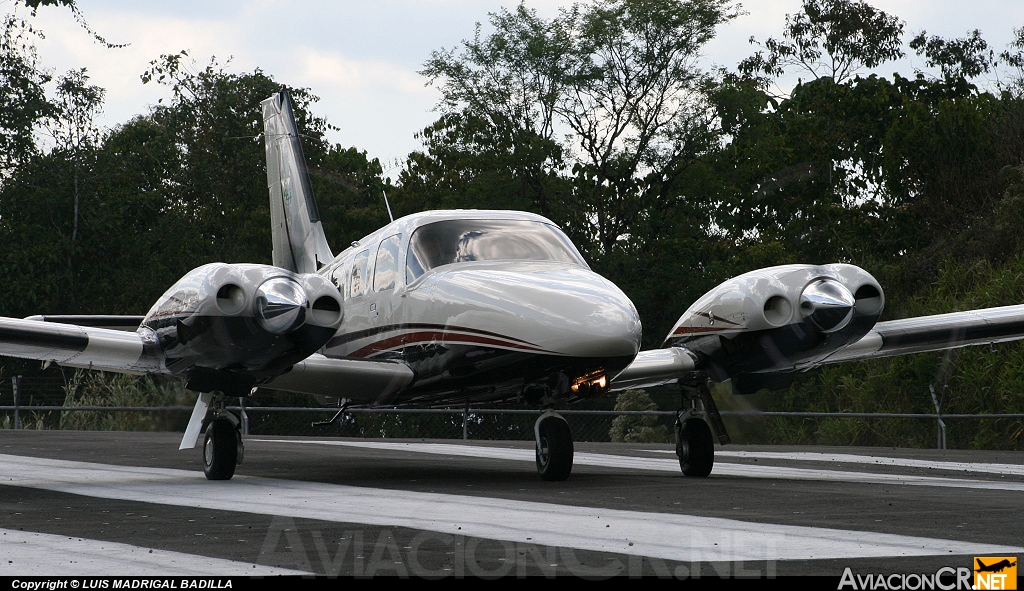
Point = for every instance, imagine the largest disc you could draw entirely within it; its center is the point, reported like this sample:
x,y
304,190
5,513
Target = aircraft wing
x,y
934,333
885,339
654,368
356,379
128,323
78,346
121,351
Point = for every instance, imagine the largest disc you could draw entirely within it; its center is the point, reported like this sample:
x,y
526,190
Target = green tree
x,y
213,119
499,102
808,177
104,224
471,162
23,80
620,76
958,59
805,172
218,174
638,113
637,428
844,166
832,39
22,92
906,176
76,137
350,191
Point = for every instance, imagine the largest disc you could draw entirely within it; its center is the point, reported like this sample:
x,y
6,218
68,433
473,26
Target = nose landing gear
x,y
222,444
222,448
554,446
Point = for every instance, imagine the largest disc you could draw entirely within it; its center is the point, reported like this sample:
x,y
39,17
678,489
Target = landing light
x,y
590,384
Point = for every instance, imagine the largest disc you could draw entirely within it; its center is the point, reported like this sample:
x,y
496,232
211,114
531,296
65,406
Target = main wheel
x,y
554,449
695,447
220,450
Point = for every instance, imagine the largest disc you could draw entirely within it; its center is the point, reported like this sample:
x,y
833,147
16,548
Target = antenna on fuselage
x,y
385,193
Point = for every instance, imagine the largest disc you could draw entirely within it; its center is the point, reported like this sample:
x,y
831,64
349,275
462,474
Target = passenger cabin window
x,y
385,271
357,280
456,241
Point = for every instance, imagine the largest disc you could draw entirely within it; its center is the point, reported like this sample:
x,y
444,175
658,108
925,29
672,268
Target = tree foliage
x,y
963,58
159,195
618,77
637,428
832,39
21,92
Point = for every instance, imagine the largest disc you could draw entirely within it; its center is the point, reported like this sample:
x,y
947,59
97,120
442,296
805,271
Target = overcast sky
x,y
361,57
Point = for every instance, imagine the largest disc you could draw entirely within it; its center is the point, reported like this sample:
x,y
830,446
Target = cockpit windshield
x,y
456,241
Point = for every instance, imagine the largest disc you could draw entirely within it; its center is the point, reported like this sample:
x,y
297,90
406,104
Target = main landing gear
x,y
698,423
554,446
695,444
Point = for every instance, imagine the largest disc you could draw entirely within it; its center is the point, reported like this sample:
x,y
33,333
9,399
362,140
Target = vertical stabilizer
x,y
299,241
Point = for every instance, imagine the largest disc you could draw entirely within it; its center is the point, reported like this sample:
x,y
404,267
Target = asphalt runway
x,y
132,504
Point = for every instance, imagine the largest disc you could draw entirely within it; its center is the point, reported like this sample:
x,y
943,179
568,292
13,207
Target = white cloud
x,y
361,58
335,70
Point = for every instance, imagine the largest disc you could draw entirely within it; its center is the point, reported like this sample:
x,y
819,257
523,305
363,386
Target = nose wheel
x,y
220,449
554,447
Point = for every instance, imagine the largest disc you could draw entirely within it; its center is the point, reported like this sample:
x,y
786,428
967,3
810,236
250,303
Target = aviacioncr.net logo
x,y
995,572
946,578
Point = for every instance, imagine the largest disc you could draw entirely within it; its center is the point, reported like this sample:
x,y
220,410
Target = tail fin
x,y
299,241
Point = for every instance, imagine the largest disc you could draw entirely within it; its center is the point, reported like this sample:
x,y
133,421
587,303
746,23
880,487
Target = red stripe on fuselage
x,y
437,337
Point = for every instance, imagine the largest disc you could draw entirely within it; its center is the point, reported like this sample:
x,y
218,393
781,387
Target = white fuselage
x,y
482,303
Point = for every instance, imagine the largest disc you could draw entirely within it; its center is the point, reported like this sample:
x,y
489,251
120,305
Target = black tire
x,y
554,450
695,447
220,450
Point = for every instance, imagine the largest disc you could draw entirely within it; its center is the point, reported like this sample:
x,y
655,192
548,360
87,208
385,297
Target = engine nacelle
x,y
760,327
226,327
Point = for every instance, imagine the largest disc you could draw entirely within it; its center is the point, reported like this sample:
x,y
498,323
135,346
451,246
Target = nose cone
x,y
828,304
280,305
557,309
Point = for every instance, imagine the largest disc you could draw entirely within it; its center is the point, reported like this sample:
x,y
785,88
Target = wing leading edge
x,y
935,333
79,346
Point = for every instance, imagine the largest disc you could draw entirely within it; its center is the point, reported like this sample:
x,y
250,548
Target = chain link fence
x,y
64,403
58,403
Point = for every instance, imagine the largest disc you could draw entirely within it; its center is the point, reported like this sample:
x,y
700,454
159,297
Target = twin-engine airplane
x,y
470,307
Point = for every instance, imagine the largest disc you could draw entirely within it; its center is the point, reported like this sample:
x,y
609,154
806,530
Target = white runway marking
x,y
978,467
36,554
672,465
658,535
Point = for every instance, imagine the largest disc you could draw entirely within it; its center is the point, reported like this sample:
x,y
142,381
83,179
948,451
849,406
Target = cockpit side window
x,y
385,270
357,281
456,241
338,274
